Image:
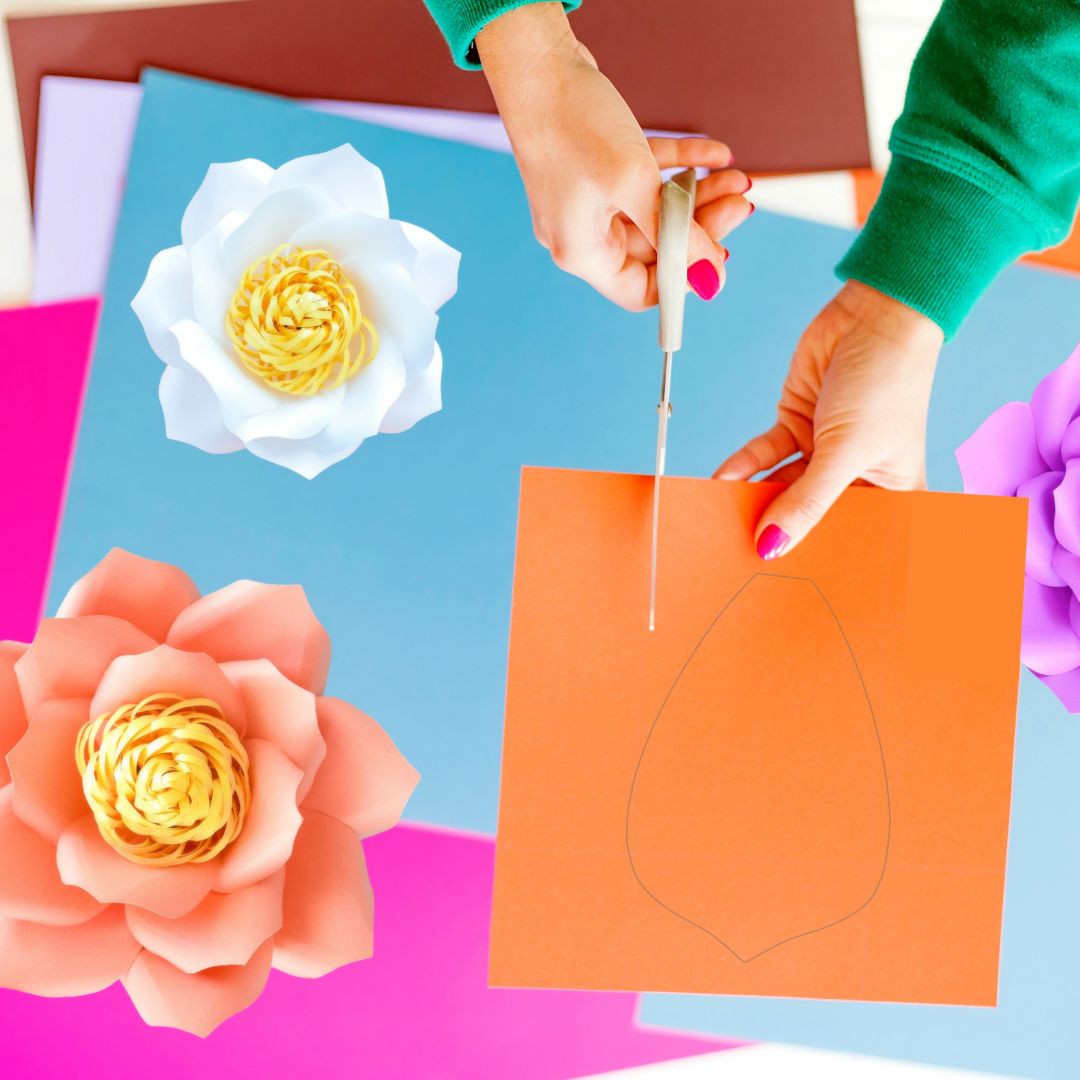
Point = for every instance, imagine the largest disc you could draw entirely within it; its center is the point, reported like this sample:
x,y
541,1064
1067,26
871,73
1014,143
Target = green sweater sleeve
x,y
985,157
461,20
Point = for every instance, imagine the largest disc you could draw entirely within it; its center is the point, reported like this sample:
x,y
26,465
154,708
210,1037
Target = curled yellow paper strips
x,y
166,779
294,319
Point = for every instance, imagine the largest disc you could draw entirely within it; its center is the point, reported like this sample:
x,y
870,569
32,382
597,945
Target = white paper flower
x,y
297,318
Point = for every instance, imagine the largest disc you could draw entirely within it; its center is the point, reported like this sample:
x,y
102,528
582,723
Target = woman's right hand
x,y
592,178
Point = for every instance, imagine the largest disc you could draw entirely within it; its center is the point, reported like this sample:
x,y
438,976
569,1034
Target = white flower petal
x,y
249,408
389,300
240,394
298,455
435,272
271,224
213,289
349,234
353,181
369,395
421,397
234,185
164,299
193,414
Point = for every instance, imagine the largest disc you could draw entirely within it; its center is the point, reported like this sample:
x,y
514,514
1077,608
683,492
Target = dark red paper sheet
x,y
777,80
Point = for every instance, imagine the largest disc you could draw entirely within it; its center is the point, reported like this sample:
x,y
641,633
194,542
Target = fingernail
x,y
704,279
752,209
749,185
727,254
772,542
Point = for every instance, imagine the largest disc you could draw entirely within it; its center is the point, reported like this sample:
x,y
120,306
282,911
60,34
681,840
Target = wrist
x,y
524,45
888,317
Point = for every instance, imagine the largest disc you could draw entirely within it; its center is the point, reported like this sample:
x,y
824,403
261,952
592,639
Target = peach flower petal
x,y
280,712
248,620
168,997
48,788
129,679
225,929
329,917
86,860
30,885
65,961
68,657
148,594
12,714
364,781
266,838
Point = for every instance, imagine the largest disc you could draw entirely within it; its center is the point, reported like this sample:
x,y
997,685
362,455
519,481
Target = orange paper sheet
x,y
798,785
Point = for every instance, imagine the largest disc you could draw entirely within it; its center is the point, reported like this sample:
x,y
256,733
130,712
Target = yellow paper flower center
x,y
295,321
166,779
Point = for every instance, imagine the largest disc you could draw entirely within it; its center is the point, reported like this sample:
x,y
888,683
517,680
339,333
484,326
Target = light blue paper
x,y
406,550
1026,325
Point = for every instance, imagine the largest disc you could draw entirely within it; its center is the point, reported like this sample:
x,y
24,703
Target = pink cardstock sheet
x,y
51,346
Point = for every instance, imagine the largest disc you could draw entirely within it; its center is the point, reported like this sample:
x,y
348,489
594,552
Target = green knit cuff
x,y
461,20
935,241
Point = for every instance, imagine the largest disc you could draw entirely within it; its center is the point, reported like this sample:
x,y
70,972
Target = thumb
x,y
795,511
705,265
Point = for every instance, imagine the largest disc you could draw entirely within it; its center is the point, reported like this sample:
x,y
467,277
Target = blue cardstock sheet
x,y
406,549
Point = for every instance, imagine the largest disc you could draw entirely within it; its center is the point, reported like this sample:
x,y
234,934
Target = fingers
x,y
723,215
789,473
705,264
693,151
760,453
719,184
795,511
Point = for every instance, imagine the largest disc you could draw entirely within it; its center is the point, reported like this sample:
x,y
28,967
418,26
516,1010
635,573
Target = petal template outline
x,y
637,871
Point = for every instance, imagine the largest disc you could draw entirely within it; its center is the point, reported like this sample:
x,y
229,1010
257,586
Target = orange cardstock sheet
x,y
798,785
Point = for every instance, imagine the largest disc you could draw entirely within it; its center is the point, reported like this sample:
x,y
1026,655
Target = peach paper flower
x,y
180,808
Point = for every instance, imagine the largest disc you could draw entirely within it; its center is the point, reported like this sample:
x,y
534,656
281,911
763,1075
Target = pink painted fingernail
x,y
749,185
752,208
772,542
704,279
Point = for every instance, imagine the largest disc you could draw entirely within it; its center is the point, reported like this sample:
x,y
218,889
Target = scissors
x,y
673,248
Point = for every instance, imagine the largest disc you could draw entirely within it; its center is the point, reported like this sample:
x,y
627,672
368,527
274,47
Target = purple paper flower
x,y
1033,451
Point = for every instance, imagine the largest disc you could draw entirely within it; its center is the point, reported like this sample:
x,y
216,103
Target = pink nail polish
x,y
727,254
772,542
749,185
704,279
752,209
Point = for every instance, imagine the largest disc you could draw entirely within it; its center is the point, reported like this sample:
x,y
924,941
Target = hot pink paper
x,y
419,1008
47,351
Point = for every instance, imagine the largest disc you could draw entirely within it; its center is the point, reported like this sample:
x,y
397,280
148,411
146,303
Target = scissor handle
x,y
672,254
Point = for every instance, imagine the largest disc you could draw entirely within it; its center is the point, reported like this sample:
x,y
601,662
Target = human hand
x,y
854,407
592,178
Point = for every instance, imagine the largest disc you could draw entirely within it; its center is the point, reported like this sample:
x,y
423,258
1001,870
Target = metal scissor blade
x,y
664,410
673,244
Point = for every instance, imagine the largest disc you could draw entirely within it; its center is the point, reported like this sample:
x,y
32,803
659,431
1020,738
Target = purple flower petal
x,y
1067,566
1039,491
1054,405
1066,687
1067,509
1048,643
1070,441
1002,454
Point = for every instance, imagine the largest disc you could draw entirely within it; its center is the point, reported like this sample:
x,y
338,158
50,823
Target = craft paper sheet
x,y
419,1007
789,102
49,347
448,600
84,141
798,785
